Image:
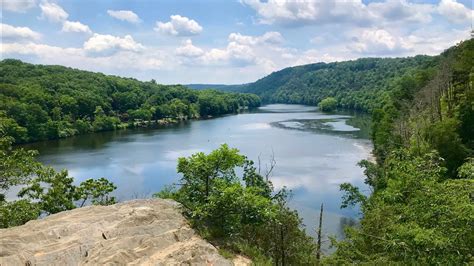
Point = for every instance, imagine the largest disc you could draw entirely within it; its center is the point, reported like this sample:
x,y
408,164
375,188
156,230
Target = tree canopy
x,y
421,209
361,84
47,102
328,104
241,213
43,190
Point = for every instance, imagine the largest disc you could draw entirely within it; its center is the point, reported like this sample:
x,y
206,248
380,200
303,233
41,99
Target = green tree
x,y
16,165
328,104
53,190
200,170
240,212
17,212
415,219
97,191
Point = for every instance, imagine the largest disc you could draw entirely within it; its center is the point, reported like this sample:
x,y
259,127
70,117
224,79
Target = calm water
x,y
314,153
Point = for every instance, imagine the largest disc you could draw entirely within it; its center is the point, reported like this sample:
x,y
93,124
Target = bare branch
x,y
269,169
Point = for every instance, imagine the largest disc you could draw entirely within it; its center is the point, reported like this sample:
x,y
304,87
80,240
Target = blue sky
x,y
189,41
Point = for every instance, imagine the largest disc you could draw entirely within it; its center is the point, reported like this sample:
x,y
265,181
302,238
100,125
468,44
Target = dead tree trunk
x,y
318,251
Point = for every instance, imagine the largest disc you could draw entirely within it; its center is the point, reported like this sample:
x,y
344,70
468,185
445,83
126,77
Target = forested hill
x,y
421,209
359,84
40,102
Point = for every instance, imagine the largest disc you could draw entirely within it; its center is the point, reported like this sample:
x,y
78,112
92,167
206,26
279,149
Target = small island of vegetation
x,y
328,104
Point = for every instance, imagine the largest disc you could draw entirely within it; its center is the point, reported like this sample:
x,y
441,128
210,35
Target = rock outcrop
x,y
138,232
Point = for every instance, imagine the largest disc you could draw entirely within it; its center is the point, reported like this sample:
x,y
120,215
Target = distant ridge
x,y
356,84
222,87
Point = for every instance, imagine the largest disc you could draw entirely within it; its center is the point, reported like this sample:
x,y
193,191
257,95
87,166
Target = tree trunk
x,y
318,251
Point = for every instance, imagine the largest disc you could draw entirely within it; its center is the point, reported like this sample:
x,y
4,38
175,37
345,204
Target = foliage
x,y
43,190
421,210
467,169
53,190
16,165
240,213
97,191
17,212
415,219
362,84
328,104
47,102
352,196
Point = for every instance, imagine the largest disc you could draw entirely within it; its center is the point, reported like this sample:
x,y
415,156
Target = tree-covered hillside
x,y
360,84
46,102
421,210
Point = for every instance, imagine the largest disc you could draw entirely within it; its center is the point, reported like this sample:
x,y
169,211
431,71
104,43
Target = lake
x,y
314,153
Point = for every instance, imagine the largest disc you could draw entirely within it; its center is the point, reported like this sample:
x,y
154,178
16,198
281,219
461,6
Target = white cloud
x,y
20,6
241,51
234,54
53,12
124,15
375,42
312,56
121,62
40,50
75,26
179,26
310,12
271,37
433,41
455,12
354,12
189,50
11,33
402,10
103,45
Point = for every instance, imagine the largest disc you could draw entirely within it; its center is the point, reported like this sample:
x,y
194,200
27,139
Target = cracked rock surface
x,y
138,232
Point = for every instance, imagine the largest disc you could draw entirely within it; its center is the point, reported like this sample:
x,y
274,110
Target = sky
x,y
224,41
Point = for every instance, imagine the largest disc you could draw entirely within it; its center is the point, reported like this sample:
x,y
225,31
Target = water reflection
x,y
315,152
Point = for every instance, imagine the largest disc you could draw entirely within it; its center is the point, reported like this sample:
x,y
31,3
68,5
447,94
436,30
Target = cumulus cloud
x,y
402,10
309,12
104,45
124,15
234,54
78,57
376,42
455,12
355,12
39,50
75,26
271,37
179,26
434,40
242,50
12,33
53,12
312,56
189,50
20,6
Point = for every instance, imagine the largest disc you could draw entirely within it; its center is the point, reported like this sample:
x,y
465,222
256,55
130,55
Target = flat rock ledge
x,y
137,232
